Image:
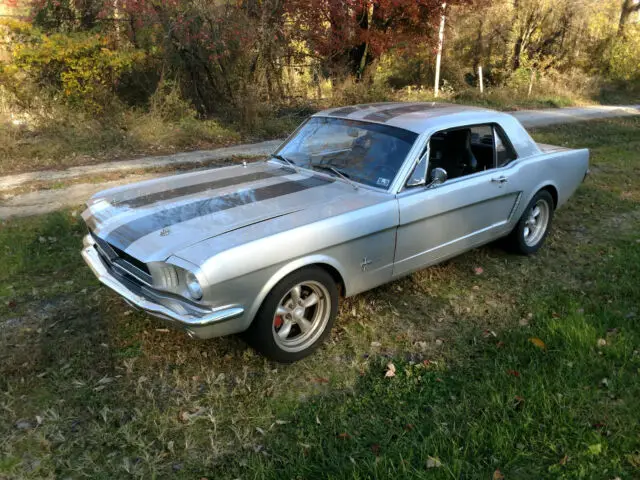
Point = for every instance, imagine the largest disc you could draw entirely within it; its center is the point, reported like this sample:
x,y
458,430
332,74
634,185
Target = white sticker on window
x,y
384,182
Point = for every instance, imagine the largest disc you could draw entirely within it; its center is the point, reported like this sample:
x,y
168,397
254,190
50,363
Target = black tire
x,y
518,241
262,333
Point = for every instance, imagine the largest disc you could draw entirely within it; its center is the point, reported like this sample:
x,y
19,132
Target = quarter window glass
x,y
505,153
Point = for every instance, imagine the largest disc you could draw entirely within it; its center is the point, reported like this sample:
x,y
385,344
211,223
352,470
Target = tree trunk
x,y
628,7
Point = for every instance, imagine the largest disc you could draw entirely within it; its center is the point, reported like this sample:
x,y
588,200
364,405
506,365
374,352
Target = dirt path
x,y
185,158
44,201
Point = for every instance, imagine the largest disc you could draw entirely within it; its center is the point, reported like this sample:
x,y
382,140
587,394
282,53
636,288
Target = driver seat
x,y
458,158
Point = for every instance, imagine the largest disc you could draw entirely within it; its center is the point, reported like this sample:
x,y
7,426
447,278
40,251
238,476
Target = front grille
x,y
122,261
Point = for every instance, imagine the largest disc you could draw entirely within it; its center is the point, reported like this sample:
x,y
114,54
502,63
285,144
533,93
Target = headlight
x,y
195,290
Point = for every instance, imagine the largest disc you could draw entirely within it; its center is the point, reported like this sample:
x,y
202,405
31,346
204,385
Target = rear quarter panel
x,y
564,170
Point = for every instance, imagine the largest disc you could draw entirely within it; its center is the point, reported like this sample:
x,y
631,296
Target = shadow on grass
x,y
562,406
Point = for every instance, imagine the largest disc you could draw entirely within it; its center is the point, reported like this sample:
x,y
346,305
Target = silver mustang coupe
x,y
356,197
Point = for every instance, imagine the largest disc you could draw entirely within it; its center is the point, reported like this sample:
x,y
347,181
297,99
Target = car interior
x,y
464,151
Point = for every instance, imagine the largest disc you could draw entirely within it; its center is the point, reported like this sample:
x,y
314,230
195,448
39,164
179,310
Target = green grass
x,y
89,388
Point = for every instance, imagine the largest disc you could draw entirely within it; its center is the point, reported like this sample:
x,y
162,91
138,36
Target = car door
x,y
438,222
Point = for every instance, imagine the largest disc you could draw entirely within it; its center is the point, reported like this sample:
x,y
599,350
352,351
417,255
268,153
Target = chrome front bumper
x,y
211,324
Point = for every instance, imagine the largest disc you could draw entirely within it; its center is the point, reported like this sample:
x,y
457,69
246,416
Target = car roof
x,y
414,116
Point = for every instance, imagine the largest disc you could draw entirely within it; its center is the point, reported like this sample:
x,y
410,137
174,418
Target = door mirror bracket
x,y
438,177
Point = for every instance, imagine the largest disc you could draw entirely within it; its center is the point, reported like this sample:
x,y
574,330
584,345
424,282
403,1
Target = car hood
x,y
153,220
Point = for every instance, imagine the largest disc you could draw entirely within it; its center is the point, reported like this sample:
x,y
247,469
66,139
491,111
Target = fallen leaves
x,y
513,373
601,342
391,370
498,475
478,270
563,461
433,462
186,416
344,436
538,343
518,402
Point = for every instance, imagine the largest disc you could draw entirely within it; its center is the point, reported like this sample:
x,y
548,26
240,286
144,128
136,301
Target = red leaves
x,y
513,373
335,26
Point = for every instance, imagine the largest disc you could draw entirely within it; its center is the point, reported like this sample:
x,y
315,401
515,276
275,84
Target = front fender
x,y
297,264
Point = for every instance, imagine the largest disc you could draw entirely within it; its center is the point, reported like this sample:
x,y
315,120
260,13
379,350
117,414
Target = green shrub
x,y
83,68
625,57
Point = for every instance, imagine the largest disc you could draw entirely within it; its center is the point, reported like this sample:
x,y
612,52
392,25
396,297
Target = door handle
x,y
501,179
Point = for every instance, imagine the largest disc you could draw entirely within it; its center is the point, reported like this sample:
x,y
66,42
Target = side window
x,y
462,151
504,151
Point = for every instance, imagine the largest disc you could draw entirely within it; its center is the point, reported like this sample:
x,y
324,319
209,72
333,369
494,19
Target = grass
x,y
529,369
71,138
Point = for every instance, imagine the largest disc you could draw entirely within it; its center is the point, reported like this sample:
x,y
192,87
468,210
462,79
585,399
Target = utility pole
x,y
436,85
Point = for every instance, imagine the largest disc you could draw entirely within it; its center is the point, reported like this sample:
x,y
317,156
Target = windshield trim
x,y
397,130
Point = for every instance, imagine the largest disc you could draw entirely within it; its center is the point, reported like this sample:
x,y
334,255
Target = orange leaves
x,y
538,343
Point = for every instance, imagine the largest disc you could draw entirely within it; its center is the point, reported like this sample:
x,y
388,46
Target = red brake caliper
x,y
277,322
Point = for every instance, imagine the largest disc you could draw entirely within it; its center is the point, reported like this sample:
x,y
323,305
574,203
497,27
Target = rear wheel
x,y
534,225
296,316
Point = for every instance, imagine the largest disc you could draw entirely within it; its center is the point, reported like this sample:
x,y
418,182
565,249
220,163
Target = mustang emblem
x,y
364,263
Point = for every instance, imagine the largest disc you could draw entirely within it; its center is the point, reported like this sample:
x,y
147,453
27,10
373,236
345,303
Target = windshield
x,y
367,153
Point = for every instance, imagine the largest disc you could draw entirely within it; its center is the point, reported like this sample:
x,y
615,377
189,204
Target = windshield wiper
x,y
291,163
331,168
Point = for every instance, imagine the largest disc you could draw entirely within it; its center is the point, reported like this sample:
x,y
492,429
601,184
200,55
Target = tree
x,y
349,35
628,7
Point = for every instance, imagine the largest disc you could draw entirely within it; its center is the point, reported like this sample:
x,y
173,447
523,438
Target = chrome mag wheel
x,y
536,223
301,316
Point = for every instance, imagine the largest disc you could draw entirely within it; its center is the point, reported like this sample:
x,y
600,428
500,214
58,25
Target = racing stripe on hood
x,y
101,211
173,193
126,234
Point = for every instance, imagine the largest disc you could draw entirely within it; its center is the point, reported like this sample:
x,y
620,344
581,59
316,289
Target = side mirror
x,y
438,176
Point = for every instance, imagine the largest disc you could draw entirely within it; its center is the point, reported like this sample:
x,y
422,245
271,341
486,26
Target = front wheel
x,y
296,316
534,225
